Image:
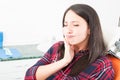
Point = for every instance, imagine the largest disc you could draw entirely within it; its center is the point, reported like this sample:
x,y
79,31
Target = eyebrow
x,y
71,21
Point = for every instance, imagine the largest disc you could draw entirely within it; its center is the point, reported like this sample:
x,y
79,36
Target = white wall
x,y
34,21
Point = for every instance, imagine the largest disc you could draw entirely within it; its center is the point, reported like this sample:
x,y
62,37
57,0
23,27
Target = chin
x,y
73,43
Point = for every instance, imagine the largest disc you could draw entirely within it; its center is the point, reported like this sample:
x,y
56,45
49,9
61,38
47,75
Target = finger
x,y
66,43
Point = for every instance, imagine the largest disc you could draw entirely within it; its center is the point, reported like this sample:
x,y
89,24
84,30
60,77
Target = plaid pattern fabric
x,y
101,69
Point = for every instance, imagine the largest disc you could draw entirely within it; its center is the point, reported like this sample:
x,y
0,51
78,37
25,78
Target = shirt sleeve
x,y
103,71
46,59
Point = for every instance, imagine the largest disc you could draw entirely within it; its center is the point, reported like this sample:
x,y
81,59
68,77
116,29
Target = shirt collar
x,y
82,53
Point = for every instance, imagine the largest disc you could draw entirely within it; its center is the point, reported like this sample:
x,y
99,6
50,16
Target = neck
x,y
80,47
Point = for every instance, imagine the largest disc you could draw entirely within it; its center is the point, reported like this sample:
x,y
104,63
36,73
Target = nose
x,y
69,30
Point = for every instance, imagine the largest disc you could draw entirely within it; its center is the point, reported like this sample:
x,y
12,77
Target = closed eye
x,y
76,25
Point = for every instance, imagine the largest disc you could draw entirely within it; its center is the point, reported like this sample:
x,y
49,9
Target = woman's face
x,y
75,29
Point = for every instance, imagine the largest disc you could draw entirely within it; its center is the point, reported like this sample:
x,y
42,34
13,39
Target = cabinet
x,y
15,69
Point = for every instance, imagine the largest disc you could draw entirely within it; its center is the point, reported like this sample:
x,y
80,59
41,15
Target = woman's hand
x,y
44,71
69,52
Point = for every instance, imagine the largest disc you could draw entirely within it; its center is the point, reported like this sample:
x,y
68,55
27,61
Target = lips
x,y
69,36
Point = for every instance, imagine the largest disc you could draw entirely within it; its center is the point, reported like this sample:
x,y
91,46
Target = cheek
x,y
82,34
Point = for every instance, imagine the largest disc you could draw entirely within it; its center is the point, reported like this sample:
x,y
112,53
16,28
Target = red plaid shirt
x,y
101,69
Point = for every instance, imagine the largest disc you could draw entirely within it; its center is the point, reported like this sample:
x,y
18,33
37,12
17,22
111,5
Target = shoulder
x,y
103,64
103,61
55,47
57,44
102,67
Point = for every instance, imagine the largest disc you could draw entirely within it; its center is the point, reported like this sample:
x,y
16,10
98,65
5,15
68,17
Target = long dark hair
x,y
96,43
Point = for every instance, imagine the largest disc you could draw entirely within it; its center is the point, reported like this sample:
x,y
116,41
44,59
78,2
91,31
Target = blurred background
x,y
38,21
29,27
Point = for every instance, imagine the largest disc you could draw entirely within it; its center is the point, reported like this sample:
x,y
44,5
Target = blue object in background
x,y
7,53
14,53
1,40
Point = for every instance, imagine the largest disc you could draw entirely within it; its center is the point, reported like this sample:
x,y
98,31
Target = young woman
x,y
81,56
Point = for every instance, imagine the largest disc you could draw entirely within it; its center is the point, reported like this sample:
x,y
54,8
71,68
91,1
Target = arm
x,y
46,59
45,71
44,68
